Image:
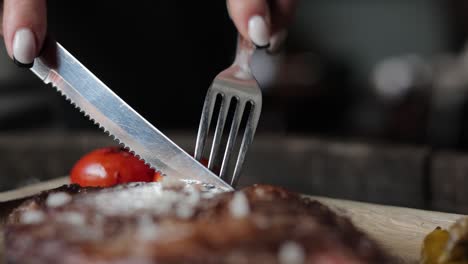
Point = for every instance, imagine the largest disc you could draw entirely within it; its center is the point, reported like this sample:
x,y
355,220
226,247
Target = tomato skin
x,y
109,166
204,162
106,167
157,176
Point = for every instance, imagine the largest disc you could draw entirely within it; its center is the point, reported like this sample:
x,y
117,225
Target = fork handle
x,y
244,52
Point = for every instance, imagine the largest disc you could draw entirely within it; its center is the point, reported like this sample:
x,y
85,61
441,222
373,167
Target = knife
x,y
107,110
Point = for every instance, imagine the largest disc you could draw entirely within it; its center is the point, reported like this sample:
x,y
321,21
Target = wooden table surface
x,y
399,230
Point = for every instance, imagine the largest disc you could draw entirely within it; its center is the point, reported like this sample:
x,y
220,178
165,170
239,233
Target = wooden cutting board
x,y
399,230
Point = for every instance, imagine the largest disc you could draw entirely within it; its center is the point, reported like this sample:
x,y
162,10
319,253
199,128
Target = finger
x,y
252,19
282,12
1,17
24,29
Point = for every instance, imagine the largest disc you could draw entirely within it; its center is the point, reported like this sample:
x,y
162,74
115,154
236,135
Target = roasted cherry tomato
x,y
157,176
110,166
204,162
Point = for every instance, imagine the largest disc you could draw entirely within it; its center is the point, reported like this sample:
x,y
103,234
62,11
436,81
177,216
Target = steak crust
x,y
174,223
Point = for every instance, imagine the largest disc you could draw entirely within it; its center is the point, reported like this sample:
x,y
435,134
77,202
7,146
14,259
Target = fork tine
x,y
225,103
249,133
205,120
238,112
237,82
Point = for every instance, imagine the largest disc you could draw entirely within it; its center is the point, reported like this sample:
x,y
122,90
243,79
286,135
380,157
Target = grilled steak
x,y
179,223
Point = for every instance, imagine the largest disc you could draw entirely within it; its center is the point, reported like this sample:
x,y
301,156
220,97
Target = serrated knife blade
x,y
59,68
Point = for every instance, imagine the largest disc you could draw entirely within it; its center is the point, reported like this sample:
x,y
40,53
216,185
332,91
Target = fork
x,y
235,85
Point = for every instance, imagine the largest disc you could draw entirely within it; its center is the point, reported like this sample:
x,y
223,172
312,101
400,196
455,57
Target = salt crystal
x,y
169,182
184,211
291,253
151,197
193,195
207,195
147,229
73,218
32,217
239,205
58,199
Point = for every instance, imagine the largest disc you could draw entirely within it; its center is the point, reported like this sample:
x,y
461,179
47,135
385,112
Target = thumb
x,y
252,19
24,29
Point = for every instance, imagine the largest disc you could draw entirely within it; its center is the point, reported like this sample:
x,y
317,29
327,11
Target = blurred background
x,y
367,101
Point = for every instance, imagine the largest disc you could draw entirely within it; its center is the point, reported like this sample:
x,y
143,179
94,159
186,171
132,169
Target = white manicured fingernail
x,y
258,31
277,40
24,47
